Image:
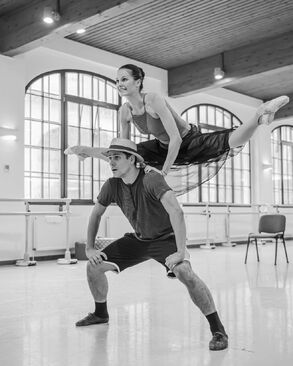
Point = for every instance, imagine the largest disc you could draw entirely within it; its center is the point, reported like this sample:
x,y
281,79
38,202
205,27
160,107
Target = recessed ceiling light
x,y
80,31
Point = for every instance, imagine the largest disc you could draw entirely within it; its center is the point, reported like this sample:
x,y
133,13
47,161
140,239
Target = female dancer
x,y
178,148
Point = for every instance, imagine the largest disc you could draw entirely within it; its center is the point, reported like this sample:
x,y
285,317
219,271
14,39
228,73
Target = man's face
x,y
119,164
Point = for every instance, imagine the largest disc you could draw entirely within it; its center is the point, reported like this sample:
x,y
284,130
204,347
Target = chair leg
x,y
276,251
284,244
256,247
247,246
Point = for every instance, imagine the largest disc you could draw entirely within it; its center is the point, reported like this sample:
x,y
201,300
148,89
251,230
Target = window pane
x,y
85,116
73,190
46,135
55,136
72,114
55,110
110,94
107,118
36,187
27,160
211,116
27,106
95,89
227,121
27,131
55,85
105,171
36,160
102,91
219,117
36,87
86,189
71,83
85,86
85,137
246,178
105,138
202,114
36,107
73,164
86,167
73,136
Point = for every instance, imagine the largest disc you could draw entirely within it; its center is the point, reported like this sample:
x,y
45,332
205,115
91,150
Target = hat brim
x,y
106,153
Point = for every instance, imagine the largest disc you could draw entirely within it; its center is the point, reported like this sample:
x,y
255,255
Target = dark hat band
x,y
122,148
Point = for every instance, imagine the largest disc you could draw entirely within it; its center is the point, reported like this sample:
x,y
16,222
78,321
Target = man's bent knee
x,y
94,269
183,271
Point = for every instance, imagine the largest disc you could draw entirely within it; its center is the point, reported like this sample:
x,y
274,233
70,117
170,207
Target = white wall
x,y
15,73
66,54
11,116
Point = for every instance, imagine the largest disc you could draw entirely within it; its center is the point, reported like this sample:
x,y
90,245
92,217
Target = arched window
x,y
65,108
232,183
282,155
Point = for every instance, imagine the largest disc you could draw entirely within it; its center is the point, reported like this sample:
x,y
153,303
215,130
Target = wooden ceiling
x,y
251,39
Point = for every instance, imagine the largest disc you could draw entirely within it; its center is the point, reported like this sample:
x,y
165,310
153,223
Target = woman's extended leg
x,y
264,115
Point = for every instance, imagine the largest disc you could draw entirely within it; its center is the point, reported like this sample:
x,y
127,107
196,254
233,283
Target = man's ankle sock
x,y
215,323
101,309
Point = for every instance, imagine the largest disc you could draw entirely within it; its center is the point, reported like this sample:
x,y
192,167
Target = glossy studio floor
x,y
152,319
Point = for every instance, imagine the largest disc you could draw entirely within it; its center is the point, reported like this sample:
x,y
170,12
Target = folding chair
x,y
270,227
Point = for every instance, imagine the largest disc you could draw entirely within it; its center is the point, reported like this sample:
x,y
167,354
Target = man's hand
x,y
95,256
174,259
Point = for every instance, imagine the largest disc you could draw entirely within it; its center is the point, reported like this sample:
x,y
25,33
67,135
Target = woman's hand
x,y
149,168
79,151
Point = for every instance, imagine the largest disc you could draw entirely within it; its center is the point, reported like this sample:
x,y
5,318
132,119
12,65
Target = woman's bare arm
x,y
158,105
124,116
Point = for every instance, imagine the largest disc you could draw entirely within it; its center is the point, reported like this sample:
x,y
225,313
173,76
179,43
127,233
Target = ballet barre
x,y
209,243
26,261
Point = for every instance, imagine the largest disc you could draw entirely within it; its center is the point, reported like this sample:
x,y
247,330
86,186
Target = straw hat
x,y
122,145
117,144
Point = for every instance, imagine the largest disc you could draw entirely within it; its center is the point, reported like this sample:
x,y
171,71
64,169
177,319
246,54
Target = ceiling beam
x,y
24,29
239,63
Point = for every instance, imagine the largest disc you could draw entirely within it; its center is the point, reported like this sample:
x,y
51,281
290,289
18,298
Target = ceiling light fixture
x,y
219,72
52,15
81,31
8,133
267,166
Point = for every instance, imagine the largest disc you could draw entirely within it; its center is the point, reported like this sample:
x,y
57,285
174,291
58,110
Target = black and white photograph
x,y
146,183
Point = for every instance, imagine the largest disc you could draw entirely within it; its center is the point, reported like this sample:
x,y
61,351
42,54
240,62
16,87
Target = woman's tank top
x,y
147,124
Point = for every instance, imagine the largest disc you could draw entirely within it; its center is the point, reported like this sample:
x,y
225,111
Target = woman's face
x,y
126,84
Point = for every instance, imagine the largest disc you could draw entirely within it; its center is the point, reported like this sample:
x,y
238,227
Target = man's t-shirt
x,y
140,203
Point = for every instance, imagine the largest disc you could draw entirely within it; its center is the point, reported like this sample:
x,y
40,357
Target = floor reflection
x,y
152,320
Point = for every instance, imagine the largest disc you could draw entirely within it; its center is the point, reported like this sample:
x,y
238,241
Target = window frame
x,y
281,160
64,98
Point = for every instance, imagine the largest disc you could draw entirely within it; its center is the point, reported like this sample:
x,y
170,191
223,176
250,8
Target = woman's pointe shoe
x,y
266,111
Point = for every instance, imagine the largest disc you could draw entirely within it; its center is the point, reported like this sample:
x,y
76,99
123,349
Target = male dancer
x,y
159,233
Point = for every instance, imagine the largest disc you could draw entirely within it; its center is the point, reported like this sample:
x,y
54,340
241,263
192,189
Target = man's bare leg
x,y
202,298
98,284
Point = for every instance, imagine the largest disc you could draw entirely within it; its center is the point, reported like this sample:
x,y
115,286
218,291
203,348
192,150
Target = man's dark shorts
x,y
129,251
